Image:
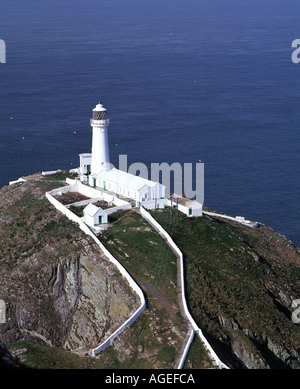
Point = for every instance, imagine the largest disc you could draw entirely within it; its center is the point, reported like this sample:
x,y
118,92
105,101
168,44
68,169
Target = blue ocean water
x,y
182,82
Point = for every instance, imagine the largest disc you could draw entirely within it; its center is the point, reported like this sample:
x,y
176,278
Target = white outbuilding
x,y
191,208
94,216
85,164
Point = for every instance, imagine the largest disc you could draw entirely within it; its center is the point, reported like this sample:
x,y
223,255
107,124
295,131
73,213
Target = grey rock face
x,y
245,345
84,300
58,287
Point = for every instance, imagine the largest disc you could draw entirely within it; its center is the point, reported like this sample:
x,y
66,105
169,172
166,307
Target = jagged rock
x,y
58,287
250,360
289,357
85,301
228,323
100,306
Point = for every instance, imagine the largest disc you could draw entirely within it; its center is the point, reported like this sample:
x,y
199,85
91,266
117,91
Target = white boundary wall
x,y
18,180
49,172
70,215
171,243
238,219
186,350
88,191
109,211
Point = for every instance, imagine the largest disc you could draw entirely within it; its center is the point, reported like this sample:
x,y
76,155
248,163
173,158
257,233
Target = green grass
x,y
153,266
197,357
225,278
43,357
77,210
143,252
60,176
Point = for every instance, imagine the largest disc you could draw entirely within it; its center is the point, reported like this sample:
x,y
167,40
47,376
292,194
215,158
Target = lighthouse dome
x,y
99,112
99,107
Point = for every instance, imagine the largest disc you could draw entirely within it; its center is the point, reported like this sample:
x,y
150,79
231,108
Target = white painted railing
x,y
70,215
171,243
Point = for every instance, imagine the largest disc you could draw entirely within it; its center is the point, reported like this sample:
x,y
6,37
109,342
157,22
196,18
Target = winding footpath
x,y
193,327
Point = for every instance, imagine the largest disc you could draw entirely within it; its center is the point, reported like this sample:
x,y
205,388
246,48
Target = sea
x,y
191,81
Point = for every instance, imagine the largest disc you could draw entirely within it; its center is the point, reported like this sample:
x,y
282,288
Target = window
x,y
99,115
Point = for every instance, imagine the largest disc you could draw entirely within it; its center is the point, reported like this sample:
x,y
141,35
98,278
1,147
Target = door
x,y
94,179
88,168
100,219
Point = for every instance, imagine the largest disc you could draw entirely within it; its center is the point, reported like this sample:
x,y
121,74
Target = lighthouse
x,y
100,150
96,171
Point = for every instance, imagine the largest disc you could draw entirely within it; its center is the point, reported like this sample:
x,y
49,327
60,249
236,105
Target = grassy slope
x,y
152,264
237,272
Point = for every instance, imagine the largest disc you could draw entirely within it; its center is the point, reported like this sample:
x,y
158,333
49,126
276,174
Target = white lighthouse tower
x,y
100,150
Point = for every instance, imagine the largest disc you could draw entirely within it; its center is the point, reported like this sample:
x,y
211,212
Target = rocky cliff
x,y
58,288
